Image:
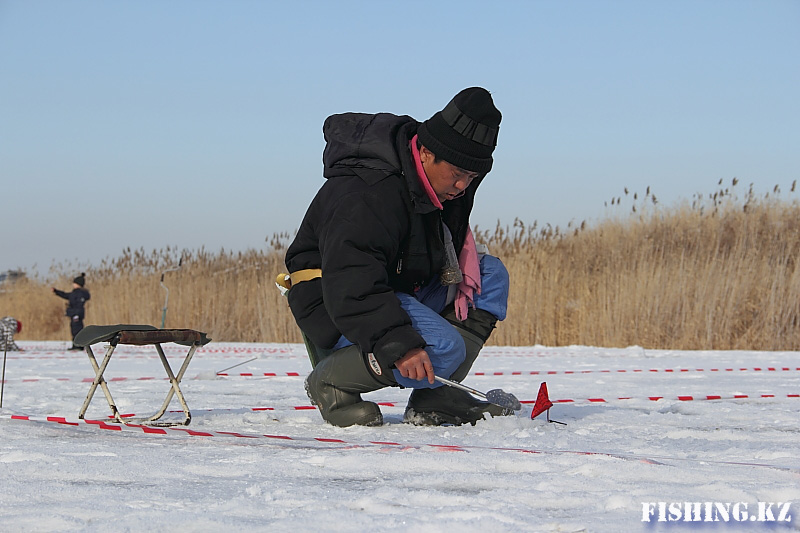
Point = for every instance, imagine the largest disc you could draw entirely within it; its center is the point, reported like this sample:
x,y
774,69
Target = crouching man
x,y
385,272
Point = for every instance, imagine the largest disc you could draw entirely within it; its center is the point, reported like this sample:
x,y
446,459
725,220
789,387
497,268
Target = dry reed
x,y
717,273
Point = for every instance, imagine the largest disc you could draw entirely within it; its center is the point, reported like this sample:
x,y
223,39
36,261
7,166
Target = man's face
x,y
448,181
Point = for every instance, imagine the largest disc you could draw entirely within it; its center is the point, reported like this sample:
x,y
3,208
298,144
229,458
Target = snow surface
x,y
398,477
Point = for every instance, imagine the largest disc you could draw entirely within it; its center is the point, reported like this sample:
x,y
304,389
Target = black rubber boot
x,y
335,386
448,405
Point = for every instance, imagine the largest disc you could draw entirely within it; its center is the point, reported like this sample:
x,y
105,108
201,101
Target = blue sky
x,y
198,123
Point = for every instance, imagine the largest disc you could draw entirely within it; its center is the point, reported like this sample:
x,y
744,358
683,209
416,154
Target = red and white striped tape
x,y
339,444
39,356
566,372
682,398
636,370
477,374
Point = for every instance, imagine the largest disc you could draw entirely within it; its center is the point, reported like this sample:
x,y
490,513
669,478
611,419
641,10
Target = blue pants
x,y
445,346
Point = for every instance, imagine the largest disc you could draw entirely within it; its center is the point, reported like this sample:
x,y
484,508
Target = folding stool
x,y
139,335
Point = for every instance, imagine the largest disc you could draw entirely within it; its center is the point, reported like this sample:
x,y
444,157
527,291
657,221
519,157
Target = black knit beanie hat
x,y
80,280
464,133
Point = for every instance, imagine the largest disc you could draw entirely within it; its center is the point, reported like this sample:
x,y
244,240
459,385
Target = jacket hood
x,y
363,141
368,145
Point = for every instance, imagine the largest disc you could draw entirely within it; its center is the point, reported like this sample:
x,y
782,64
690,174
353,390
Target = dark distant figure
x,y
8,327
75,305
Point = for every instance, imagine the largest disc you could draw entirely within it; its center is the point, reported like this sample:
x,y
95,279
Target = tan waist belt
x,y
287,281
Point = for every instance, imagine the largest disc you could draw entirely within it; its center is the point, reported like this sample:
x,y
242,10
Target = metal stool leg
x,y
99,380
174,390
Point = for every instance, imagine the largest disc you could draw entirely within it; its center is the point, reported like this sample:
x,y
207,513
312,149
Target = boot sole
x,y
434,419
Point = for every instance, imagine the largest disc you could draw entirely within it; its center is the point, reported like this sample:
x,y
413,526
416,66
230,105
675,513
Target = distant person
x,y
76,301
8,327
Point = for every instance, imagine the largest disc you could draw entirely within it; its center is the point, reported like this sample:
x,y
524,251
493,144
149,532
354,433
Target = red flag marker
x,y
543,402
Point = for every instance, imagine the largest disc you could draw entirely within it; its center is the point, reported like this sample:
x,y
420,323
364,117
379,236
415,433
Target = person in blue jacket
x,y
76,300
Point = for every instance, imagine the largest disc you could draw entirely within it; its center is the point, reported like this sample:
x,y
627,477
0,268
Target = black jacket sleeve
x,y
362,236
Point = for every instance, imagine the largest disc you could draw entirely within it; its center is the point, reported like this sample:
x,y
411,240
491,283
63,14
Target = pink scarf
x,y
423,178
468,260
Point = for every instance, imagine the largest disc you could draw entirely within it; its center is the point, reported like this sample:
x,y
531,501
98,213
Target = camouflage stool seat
x,y
139,335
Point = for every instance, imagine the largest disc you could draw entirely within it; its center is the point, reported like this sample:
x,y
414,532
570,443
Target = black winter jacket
x,y
372,230
75,301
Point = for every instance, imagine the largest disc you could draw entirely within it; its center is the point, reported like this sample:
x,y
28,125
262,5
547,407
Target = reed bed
x,y
715,273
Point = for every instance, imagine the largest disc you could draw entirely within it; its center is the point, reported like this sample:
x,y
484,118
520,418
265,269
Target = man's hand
x,y
416,364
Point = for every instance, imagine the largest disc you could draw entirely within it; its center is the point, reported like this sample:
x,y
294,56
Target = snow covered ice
x,y
264,461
